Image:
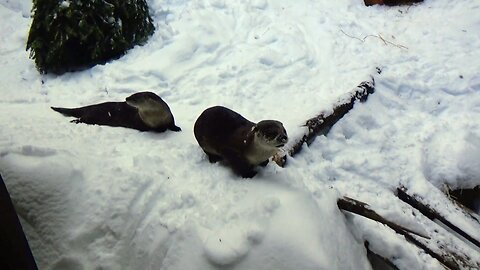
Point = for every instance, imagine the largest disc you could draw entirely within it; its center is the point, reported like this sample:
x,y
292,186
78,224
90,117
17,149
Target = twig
x,y
386,42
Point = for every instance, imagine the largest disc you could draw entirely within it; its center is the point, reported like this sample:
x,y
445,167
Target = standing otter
x,y
144,111
226,135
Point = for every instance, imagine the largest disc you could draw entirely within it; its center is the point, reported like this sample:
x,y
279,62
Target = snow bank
x,y
453,158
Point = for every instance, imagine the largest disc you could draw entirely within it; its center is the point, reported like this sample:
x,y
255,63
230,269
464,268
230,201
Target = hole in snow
x,y
469,198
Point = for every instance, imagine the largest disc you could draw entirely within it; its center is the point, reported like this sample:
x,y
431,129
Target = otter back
x,y
144,111
115,114
226,135
219,128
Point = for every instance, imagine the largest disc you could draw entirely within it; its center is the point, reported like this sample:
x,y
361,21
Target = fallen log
x,y
432,214
449,253
448,256
321,124
363,209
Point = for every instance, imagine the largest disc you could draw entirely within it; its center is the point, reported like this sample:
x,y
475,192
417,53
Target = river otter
x,y
226,135
144,111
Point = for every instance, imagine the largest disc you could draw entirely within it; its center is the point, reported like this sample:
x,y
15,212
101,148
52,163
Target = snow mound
x,y
453,158
286,231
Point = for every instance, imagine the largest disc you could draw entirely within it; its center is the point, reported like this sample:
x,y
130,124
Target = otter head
x,y
271,133
268,136
145,101
153,111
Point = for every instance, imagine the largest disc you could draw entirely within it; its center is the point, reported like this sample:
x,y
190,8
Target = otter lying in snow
x,y
144,111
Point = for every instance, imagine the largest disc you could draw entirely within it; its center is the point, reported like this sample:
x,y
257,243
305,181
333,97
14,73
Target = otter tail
x,y
174,128
76,112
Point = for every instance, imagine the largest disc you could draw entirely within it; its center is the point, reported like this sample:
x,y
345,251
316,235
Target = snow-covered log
x,y
322,123
433,214
440,245
363,209
445,247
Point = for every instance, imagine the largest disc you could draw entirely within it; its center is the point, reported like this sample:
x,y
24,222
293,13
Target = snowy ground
x,y
92,197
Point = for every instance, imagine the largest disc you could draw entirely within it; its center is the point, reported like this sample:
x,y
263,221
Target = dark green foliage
x,y
76,34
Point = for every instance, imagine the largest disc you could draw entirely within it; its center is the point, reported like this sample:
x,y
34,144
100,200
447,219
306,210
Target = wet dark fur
x,y
115,114
225,135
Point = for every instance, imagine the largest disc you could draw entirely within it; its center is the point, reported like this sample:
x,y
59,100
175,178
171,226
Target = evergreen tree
x,y
68,35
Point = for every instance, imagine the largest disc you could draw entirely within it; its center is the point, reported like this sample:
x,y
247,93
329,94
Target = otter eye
x,y
270,134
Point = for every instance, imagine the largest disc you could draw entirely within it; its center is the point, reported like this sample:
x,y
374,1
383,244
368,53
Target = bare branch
x,y
386,42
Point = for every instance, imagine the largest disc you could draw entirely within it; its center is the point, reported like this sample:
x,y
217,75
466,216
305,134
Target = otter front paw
x,y
248,174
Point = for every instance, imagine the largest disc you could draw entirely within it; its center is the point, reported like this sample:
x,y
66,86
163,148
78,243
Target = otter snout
x,y
283,138
134,102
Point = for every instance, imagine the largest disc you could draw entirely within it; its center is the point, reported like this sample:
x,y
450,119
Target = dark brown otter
x,y
226,135
144,111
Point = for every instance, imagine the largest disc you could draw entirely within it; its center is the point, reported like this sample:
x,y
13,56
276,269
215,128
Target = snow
x,y
65,4
92,197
